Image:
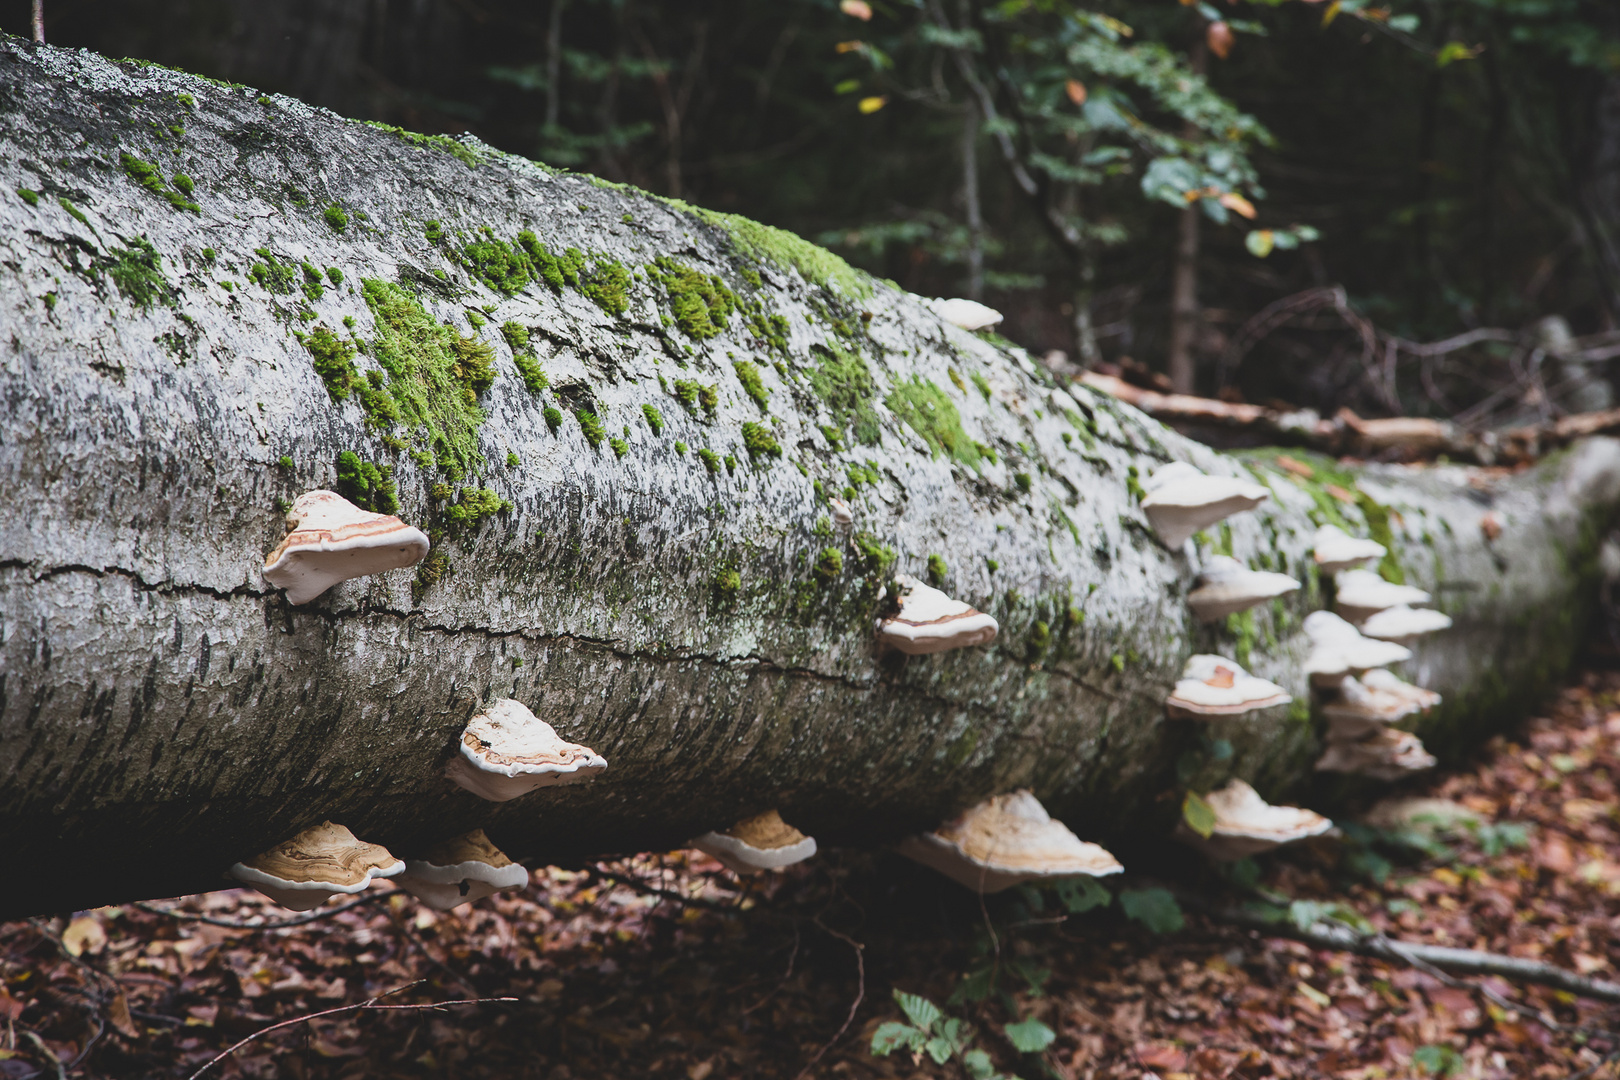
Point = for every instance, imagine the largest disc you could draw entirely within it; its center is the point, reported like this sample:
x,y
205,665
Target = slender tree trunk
x,y
970,200
165,712
37,22
554,67
1185,315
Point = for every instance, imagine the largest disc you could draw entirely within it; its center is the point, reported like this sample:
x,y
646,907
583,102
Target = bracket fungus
x,y
461,871
968,314
507,751
1335,550
1005,841
842,515
1212,686
1226,587
1404,624
1386,754
762,842
928,621
1374,701
1338,649
330,540
1245,824
1361,594
317,864
1181,499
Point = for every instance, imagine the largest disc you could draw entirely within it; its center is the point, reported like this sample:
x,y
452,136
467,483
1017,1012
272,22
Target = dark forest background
x,y
1089,171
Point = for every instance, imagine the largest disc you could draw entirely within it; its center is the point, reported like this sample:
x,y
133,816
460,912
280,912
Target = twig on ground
x,y
649,890
370,1004
1463,961
281,924
860,995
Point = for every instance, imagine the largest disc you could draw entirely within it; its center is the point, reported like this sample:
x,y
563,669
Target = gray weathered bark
x,y
164,713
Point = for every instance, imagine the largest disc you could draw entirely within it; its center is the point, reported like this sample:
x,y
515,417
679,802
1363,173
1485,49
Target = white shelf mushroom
x,y
506,751
1360,594
1213,686
1226,587
1386,754
762,842
1374,701
1245,824
329,539
1181,499
460,871
1405,624
1005,841
1338,649
1335,550
968,314
929,621
842,515
317,864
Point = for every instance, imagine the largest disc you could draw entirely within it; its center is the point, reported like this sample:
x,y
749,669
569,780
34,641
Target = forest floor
x,y
690,973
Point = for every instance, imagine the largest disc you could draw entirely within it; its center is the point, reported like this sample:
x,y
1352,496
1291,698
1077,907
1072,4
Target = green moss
x,y
137,270
992,565
28,196
512,460
556,271
336,217
829,564
727,583
442,143
937,569
876,557
731,465
699,302
815,264
433,231
607,285
680,448
711,460
694,394
983,384
266,100
553,417
368,486
334,275
497,264
753,385
620,447
272,276
758,440
187,100
285,462
1242,628
845,384
655,419
434,374
49,300
1040,639
313,289
930,412
184,184
771,329
334,361
472,506
590,425
74,211
146,174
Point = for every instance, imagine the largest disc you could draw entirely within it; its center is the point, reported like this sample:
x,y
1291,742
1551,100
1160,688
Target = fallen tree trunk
x,y
217,300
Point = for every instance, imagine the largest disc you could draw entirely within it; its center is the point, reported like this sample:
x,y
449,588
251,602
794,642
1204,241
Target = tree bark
x,y
164,713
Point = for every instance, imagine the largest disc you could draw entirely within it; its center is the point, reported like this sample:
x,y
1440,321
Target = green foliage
x,y
1079,895
336,217
146,174
930,412
753,385
655,419
699,302
759,441
1438,1059
1198,814
1155,909
368,486
1029,1036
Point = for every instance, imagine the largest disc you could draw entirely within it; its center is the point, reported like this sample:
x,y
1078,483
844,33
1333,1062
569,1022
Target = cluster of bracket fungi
x,y
506,751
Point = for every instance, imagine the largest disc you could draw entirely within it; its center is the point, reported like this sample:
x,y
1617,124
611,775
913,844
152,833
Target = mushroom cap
x,y
329,539
507,751
1005,841
1387,754
459,871
1376,700
1362,593
1338,649
1335,550
929,621
842,515
1401,623
1245,824
761,842
323,860
1226,586
968,314
1215,686
1181,500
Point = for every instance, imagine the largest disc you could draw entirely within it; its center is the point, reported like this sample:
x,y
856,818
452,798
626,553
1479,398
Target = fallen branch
x,y
302,920
1458,961
649,890
369,1004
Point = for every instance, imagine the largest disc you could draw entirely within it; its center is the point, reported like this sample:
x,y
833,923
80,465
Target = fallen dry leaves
x,y
753,978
